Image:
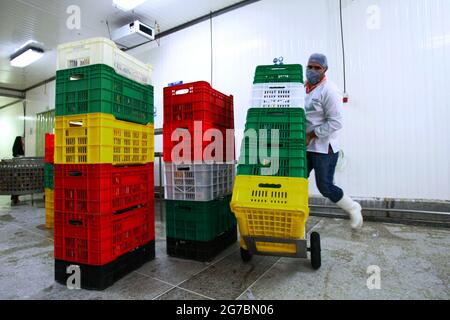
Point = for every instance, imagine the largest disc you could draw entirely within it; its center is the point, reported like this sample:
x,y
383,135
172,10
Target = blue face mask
x,y
313,76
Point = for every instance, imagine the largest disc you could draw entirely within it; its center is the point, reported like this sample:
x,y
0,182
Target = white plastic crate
x,y
104,51
278,95
198,182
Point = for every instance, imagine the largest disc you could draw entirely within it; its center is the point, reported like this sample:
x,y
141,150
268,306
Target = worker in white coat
x,y
323,106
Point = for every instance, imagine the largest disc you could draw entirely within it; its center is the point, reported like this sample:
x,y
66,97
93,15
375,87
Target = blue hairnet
x,y
320,59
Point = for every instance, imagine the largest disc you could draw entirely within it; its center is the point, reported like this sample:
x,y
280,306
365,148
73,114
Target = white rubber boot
x,y
353,209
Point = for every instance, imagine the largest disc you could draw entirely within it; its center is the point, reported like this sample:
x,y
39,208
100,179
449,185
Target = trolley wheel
x,y
245,255
316,260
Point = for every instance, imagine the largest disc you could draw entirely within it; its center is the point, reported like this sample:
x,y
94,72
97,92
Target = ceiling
x,y
44,21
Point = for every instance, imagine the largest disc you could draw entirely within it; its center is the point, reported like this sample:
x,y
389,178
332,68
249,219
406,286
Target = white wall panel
x,y
11,126
182,56
396,134
258,33
396,137
38,100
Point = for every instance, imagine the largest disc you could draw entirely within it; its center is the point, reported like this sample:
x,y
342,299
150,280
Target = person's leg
x,y
336,193
14,199
324,167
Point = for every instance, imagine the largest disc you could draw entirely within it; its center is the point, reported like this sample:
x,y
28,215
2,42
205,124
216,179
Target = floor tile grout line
x,y
173,287
162,281
154,278
196,293
197,273
36,233
163,293
194,275
207,267
259,278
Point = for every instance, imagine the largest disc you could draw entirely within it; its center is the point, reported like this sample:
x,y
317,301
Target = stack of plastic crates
x,y
199,173
49,180
270,196
103,173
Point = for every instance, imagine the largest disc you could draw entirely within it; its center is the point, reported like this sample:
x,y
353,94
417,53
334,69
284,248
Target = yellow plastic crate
x,y
49,208
97,138
274,207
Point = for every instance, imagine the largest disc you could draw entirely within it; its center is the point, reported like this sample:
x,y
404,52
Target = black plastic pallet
x,y
101,277
201,250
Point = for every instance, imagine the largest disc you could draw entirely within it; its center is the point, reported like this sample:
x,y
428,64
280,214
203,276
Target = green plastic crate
x,y
291,126
198,221
276,115
290,123
283,171
279,73
286,149
286,131
291,163
49,170
98,88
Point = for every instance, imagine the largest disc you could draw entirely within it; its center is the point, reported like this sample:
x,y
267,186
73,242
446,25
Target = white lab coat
x,y
323,108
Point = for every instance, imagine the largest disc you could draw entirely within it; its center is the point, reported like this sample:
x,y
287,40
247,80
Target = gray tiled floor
x,y
414,264
180,294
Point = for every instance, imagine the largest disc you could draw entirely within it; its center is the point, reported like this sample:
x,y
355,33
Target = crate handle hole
x,y
181,91
76,222
269,185
75,123
75,173
183,207
278,87
76,77
275,113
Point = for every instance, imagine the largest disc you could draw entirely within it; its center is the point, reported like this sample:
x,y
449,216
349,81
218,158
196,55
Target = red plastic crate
x,y
97,239
197,101
49,148
102,188
197,151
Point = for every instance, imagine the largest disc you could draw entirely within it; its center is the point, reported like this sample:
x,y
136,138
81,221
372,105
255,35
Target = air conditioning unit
x,y
133,34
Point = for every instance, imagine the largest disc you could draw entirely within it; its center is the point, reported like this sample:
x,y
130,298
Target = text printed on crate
x,y
221,148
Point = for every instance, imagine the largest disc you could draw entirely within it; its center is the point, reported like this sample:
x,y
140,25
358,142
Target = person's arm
x,y
310,136
332,104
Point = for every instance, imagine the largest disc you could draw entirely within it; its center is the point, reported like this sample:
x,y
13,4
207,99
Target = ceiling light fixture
x,y
127,5
25,56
